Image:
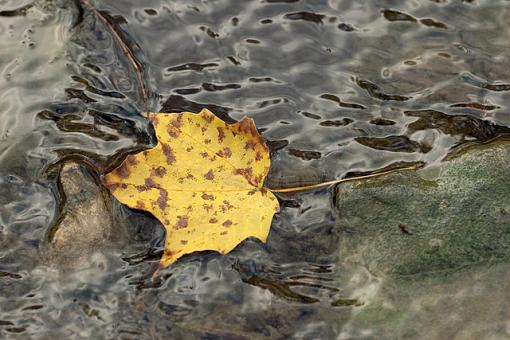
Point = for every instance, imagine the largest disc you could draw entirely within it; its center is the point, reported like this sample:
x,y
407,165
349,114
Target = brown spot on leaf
x,y
207,207
189,208
245,172
258,156
149,183
159,171
131,159
207,197
145,153
204,154
173,132
228,205
226,152
189,149
208,118
184,242
258,179
123,170
190,177
169,154
213,220
177,123
250,145
163,199
209,175
207,141
227,223
221,134
182,222
140,205
111,186
224,233
251,192
141,188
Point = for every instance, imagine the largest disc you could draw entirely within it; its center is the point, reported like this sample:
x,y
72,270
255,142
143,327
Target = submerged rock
x,y
86,223
409,223
427,252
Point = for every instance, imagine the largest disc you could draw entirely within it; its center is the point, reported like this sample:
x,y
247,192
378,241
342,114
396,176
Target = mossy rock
x,y
442,218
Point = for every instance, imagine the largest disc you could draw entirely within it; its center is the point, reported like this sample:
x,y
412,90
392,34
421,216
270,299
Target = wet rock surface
x,y
429,248
86,224
440,218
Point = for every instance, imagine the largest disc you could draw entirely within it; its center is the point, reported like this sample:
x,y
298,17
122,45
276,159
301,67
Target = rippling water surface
x,y
336,88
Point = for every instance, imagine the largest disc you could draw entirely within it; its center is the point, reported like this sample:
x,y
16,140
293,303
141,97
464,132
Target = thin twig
x,y
137,66
341,180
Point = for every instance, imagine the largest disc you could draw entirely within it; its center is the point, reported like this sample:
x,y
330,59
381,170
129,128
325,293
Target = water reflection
x,y
336,87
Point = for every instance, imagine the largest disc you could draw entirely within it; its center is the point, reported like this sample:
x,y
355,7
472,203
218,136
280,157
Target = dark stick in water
x,y
107,21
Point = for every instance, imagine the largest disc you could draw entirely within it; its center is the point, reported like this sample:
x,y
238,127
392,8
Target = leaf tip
x,y
247,125
205,111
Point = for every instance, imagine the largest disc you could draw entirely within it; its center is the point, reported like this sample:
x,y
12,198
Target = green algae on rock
x,y
427,252
405,224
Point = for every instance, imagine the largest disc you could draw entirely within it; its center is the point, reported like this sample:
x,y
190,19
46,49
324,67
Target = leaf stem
x,y
416,166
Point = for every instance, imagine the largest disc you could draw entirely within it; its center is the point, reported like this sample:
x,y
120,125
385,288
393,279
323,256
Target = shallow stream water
x,y
336,88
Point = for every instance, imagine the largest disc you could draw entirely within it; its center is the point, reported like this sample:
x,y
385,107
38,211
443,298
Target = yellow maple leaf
x,y
203,181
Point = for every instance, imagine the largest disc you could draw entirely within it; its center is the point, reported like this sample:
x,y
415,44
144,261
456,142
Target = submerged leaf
x,y
203,181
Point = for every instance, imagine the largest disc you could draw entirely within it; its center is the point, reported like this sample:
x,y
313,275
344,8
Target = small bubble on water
x,y
386,73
